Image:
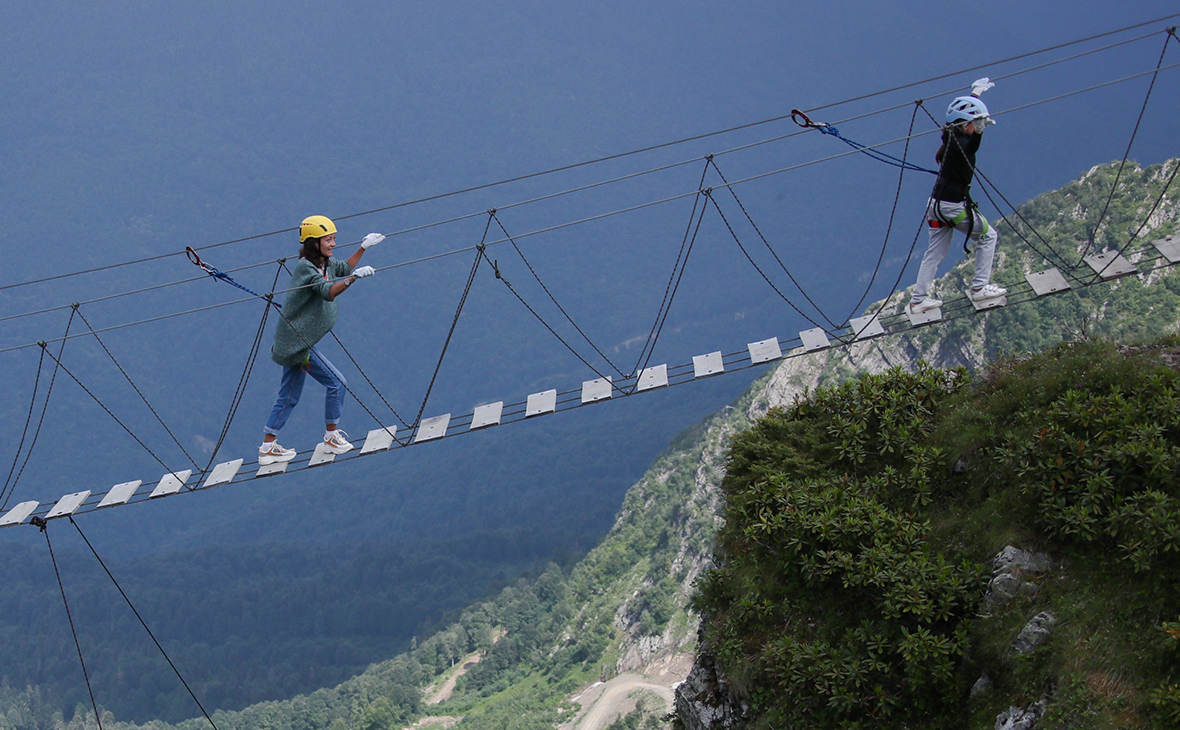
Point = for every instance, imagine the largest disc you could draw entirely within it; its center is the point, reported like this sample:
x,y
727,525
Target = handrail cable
x,y
862,148
621,211
637,151
982,66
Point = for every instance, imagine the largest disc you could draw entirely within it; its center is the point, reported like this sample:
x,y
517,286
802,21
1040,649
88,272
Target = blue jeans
x,y
291,388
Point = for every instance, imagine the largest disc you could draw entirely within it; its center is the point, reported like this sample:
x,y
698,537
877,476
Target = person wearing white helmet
x,y
950,207
309,313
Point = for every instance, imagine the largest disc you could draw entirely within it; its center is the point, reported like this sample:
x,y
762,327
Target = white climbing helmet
x,y
965,109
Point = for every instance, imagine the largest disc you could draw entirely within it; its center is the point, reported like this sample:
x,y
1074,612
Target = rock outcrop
x,y
705,701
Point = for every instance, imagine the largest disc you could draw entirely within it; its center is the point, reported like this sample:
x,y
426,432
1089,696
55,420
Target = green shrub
x,y
829,608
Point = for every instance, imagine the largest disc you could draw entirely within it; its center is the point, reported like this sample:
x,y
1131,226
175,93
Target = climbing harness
x,y
804,121
213,272
968,214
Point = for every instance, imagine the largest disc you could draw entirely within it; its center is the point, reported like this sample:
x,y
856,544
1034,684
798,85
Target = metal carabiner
x,y
196,259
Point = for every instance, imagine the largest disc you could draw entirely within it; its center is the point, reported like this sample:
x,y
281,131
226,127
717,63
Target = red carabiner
x,y
796,113
196,259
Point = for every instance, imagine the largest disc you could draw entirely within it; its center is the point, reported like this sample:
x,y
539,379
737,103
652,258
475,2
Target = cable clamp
x,y
492,212
42,343
496,268
39,522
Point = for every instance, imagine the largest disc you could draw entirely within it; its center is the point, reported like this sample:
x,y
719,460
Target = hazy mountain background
x,y
133,129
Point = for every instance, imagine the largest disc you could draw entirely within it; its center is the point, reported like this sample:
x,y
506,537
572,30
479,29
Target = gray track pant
x,y
983,239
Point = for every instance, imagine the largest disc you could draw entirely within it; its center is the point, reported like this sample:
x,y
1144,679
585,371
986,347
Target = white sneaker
x,y
925,305
336,442
270,453
988,291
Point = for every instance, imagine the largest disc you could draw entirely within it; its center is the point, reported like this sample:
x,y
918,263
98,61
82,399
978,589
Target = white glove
x,y
981,123
372,240
980,85
362,272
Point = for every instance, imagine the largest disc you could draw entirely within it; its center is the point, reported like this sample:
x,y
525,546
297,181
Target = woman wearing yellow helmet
x,y
309,313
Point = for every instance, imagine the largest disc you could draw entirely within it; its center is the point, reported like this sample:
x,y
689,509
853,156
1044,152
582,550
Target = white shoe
x,y
336,442
988,291
270,453
925,305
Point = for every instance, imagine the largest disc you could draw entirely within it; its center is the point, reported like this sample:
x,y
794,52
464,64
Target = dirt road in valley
x,y
604,702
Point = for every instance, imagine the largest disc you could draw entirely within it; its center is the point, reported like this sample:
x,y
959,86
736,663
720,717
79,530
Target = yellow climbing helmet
x,y
316,226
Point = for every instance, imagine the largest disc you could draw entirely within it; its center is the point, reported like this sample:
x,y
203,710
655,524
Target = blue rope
x,y
216,274
875,154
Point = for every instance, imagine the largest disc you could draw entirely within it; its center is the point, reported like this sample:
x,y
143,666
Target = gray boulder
x,y
1034,633
1015,718
1014,572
